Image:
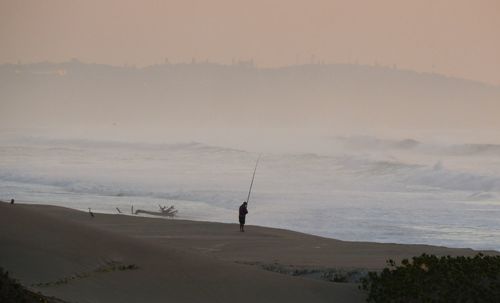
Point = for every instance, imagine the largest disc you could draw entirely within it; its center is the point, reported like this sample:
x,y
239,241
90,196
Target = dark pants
x,y
242,223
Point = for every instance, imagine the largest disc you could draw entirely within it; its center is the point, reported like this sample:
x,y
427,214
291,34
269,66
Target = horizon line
x,y
250,63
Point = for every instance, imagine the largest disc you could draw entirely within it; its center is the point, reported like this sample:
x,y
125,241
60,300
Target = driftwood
x,y
164,211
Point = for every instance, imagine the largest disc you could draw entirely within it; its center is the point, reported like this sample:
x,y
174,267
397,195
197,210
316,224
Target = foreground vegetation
x,y
429,278
13,292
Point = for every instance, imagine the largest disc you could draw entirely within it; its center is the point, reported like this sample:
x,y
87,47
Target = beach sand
x,y
117,258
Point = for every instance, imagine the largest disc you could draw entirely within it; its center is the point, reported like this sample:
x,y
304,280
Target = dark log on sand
x,y
164,212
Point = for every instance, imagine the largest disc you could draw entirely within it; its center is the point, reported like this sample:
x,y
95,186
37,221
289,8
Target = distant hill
x,y
219,96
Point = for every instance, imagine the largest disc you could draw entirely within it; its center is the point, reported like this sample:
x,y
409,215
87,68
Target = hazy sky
x,y
453,37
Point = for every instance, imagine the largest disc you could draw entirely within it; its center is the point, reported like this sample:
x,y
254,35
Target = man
x,y
243,213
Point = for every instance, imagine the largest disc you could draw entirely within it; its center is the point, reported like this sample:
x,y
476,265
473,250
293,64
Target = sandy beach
x,y
68,254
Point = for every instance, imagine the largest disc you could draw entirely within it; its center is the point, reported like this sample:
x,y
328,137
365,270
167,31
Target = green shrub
x,y
429,278
10,290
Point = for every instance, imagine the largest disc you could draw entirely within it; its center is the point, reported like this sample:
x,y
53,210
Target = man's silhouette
x,y
243,213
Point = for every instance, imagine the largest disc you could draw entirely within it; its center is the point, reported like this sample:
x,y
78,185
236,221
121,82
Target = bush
x,y
429,278
13,292
10,290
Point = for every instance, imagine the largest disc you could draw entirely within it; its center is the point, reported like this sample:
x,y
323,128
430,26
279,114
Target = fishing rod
x,y
253,177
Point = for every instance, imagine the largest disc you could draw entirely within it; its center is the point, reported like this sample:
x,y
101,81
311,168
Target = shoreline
x,y
194,219
74,257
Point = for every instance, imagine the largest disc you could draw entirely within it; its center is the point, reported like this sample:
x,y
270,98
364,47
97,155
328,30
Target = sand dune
x,y
79,258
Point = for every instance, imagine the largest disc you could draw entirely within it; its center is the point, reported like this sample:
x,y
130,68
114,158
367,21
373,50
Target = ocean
x,y
355,188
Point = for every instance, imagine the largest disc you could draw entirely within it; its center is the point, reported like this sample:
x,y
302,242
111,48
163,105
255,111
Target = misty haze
x,y
335,138
136,137
181,100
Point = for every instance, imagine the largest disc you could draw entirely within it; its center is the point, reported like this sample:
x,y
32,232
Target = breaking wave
x,y
199,172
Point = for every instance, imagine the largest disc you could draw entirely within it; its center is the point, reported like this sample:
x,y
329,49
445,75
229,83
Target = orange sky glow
x,y
452,37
